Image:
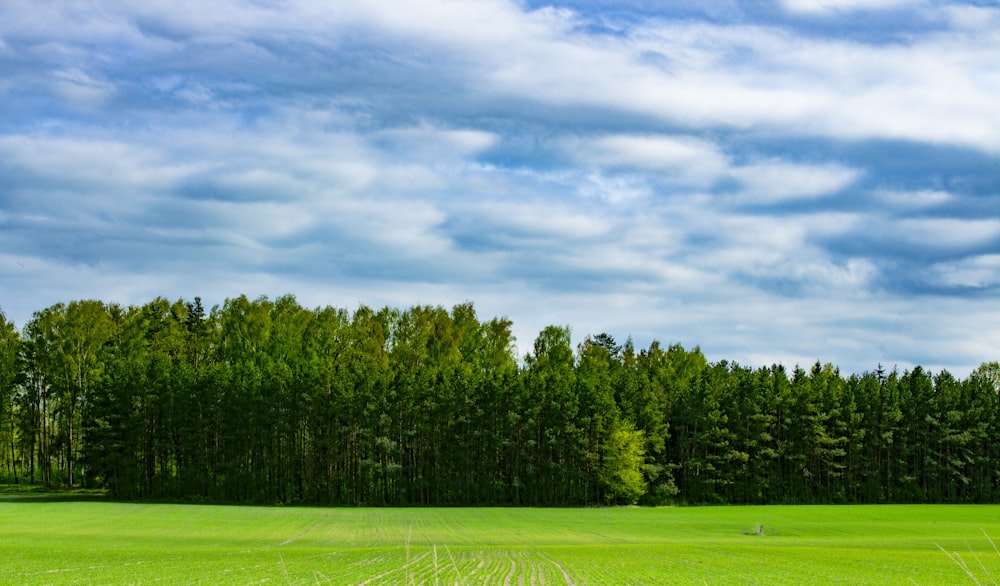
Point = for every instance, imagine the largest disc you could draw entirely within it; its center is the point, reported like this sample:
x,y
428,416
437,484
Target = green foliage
x,y
10,373
265,401
622,469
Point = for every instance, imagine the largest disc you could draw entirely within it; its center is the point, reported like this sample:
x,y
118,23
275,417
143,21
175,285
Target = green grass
x,y
92,542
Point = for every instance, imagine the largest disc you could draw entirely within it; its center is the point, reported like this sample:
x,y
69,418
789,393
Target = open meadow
x,y
81,542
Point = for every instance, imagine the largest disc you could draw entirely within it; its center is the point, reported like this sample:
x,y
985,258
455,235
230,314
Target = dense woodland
x,y
266,401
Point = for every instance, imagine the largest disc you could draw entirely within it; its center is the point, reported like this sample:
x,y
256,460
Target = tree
x,y
551,410
621,472
10,347
369,413
85,329
328,406
988,375
704,438
643,390
754,405
981,393
115,426
267,401
921,411
597,368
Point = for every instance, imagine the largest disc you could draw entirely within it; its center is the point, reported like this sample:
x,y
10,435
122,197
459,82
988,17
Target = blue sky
x,y
775,181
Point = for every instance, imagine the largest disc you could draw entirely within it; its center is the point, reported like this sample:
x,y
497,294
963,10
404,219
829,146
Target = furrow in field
x,y
534,577
478,567
114,543
481,557
450,559
512,571
401,569
304,533
565,575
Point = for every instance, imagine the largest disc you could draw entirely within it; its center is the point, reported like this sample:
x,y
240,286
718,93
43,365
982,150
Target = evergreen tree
x,y
267,401
10,374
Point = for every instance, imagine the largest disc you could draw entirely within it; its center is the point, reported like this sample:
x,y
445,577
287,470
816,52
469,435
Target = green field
x,y
94,542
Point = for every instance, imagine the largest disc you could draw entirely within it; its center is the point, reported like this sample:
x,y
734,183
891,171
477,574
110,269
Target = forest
x,y
266,401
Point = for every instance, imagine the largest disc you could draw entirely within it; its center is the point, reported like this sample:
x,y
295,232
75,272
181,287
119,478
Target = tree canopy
x,y
267,401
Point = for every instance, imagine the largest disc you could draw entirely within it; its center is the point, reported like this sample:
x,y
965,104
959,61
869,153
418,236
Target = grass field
x,y
93,542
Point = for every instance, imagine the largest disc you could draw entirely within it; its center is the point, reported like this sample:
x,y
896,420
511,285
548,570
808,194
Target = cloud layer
x,y
774,186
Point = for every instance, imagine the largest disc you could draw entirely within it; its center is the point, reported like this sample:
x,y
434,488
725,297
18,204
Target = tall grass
x,y
978,573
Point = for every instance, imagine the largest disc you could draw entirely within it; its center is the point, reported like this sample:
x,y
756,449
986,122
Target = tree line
x,y
266,401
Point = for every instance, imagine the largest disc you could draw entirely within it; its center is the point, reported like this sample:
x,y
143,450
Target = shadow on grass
x,y
29,493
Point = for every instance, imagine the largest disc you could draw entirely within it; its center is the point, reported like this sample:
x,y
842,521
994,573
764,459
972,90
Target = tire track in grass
x,y
404,568
70,570
304,533
569,581
284,567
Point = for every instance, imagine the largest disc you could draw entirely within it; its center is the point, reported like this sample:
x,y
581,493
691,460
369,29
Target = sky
x,y
784,181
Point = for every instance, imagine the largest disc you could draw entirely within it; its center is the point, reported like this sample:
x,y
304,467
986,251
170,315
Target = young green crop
x,y
102,542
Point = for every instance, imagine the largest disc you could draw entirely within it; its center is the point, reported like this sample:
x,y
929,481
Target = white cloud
x,y
978,271
437,145
945,233
827,6
683,157
699,162
482,26
978,18
617,190
777,180
779,253
80,88
257,221
434,151
544,221
74,176
406,228
939,87
915,199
